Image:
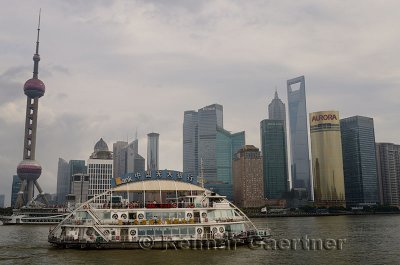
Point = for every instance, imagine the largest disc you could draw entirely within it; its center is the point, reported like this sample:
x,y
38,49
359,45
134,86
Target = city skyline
x,y
196,65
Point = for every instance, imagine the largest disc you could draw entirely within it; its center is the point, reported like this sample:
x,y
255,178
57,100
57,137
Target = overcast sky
x,y
111,67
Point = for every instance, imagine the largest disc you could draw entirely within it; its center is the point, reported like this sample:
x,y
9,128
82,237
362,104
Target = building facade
x,y
248,184
327,161
300,161
63,181
274,155
80,188
388,166
227,144
209,118
277,109
190,143
2,203
199,140
16,185
100,169
359,160
119,158
76,167
153,151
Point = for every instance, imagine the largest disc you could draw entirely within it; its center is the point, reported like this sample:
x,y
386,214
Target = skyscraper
x,y
126,158
134,161
248,184
300,164
227,144
119,158
152,151
199,140
63,181
274,155
76,167
80,188
140,164
190,143
16,186
388,165
209,118
276,109
100,169
359,160
29,169
327,161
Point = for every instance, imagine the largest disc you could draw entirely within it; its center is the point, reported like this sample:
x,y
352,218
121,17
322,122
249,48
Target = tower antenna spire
x,y
36,56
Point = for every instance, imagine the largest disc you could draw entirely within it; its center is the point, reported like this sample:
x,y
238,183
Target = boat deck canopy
x,y
157,185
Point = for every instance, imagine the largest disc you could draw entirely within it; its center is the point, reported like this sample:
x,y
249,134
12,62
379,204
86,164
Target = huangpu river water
x,y
373,239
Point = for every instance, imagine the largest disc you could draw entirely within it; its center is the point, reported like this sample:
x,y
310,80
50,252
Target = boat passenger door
x,y
207,232
196,215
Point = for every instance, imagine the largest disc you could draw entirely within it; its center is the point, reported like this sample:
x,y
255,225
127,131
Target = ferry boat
x,y
155,211
35,215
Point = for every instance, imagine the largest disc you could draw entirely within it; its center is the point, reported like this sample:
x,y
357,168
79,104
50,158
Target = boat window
x,y
173,215
184,230
158,231
150,231
132,216
104,215
175,231
149,215
181,215
237,228
191,230
167,231
211,215
141,232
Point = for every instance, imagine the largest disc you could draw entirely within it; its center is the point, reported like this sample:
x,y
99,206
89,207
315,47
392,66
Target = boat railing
x,y
151,205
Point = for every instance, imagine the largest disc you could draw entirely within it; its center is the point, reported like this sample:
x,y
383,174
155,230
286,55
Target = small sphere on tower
x,y
34,88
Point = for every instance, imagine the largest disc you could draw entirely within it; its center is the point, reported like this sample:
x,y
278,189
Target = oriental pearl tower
x,y
29,169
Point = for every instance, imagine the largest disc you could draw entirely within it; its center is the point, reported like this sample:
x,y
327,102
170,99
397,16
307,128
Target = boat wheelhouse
x,y
154,212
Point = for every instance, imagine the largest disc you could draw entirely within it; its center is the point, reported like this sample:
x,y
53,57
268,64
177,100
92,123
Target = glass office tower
x,y
300,161
274,155
359,160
